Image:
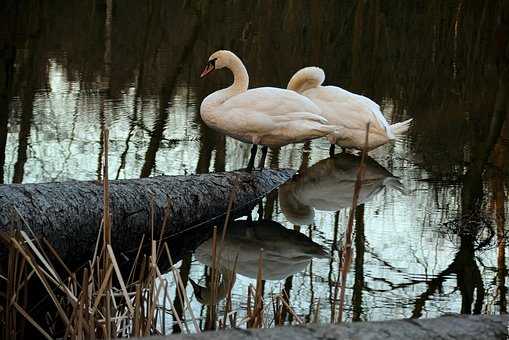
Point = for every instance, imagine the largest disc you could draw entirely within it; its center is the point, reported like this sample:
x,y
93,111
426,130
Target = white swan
x,y
285,252
349,112
265,116
329,186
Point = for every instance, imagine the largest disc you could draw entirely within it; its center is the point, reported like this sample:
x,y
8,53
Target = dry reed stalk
x,y
163,228
54,277
228,212
96,248
212,316
39,255
182,289
257,317
155,311
102,288
106,231
175,314
137,312
32,321
25,223
230,282
291,311
59,259
335,242
120,279
164,307
45,283
158,274
150,281
10,298
135,263
85,302
77,317
21,284
347,246
106,191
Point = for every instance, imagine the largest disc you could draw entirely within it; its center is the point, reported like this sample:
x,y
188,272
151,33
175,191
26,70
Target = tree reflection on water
x,y
69,68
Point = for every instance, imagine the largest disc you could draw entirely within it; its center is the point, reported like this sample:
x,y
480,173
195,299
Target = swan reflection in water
x,y
329,185
285,252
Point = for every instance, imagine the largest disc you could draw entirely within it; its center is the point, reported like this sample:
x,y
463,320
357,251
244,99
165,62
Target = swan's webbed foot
x,y
250,165
261,165
331,150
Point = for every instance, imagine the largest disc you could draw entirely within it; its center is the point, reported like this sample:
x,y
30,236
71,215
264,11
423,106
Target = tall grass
x,y
97,301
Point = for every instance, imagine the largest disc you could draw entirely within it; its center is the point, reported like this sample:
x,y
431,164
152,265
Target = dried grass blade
x,y
32,321
179,282
102,288
120,279
37,270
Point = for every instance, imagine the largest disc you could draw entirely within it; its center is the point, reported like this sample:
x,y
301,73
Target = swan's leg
x,y
260,210
331,150
250,165
261,165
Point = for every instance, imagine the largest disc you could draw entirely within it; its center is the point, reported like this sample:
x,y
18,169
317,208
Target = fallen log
x,y
69,214
447,327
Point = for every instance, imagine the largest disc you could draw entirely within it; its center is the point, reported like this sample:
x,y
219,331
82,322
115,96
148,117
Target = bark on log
x,y
446,327
69,214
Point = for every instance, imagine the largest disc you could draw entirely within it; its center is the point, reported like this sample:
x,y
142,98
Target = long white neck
x,y
306,78
240,84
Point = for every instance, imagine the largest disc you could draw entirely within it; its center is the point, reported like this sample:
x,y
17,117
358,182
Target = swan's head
x,y
306,78
199,292
205,296
219,59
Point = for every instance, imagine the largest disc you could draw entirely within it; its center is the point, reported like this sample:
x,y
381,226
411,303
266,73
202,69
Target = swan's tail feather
x,y
399,129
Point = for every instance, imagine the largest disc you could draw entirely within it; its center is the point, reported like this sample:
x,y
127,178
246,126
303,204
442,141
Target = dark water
x,y
71,67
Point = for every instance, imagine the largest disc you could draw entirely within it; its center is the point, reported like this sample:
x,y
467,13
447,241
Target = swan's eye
x,y
212,62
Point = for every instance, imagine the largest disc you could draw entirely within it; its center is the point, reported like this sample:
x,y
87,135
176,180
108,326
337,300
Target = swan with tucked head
x,y
329,185
349,112
265,116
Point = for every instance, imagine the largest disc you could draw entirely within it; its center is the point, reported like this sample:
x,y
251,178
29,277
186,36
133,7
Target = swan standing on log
x,y
265,116
349,112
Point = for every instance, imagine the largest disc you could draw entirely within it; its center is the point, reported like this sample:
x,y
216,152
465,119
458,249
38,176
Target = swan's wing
x,y
293,116
271,101
290,127
374,108
270,116
347,109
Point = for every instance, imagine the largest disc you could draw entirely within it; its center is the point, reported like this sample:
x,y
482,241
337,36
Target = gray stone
x,y
447,327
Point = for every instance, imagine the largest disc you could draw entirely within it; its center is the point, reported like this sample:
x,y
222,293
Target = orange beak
x,y
209,68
